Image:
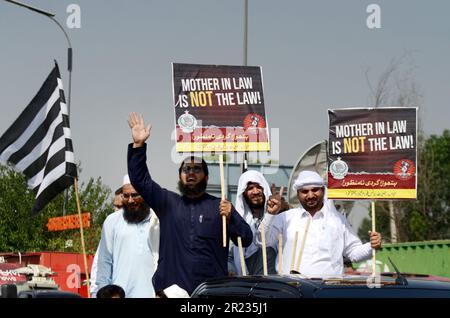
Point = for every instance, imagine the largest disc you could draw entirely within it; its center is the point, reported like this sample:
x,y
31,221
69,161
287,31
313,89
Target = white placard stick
x,y
264,252
222,188
241,257
302,247
374,256
294,250
280,254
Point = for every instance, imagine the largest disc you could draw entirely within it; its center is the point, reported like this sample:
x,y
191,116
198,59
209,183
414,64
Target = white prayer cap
x,y
175,291
126,180
308,178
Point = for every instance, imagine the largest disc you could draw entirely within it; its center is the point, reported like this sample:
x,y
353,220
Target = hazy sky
x,y
313,55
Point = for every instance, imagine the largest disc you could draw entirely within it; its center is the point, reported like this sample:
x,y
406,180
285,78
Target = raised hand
x,y
139,131
274,203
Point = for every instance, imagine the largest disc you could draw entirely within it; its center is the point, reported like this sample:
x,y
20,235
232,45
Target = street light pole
x,y
51,16
245,161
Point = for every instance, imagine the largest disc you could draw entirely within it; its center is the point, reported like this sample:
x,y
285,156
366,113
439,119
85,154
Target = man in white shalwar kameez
x,y
324,236
128,249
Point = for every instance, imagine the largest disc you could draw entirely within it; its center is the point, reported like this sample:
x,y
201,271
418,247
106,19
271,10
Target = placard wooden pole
x,y
280,254
222,188
264,252
75,184
241,257
302,247
374,256
294,250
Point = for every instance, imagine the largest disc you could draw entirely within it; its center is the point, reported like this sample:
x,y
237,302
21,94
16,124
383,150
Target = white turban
x,y
308,178
126,180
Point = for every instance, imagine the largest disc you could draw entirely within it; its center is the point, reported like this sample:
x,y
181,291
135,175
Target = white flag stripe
x,y
36,179
54,148
56,173
60,83
35,123
64,109
40,147
67,133
70,157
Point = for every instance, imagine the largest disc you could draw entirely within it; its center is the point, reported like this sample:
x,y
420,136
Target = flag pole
x,y
75,184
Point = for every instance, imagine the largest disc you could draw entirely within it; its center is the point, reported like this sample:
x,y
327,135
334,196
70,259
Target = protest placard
x,y
219,108
372,153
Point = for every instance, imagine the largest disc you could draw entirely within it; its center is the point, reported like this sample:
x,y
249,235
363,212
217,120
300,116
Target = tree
x,y
19,231
429,217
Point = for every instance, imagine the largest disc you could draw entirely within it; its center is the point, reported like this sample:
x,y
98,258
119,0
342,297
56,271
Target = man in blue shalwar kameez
x,y
191,248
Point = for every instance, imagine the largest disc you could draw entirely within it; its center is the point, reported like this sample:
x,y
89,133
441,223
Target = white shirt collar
x,y
319,214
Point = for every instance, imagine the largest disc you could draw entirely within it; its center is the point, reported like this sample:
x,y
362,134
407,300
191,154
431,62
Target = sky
x,y
314,56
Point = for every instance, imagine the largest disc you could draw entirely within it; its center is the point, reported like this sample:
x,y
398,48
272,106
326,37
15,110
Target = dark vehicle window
x,y
383,292
247,289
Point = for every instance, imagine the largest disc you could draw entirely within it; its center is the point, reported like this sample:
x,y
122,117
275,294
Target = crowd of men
x,y
159,243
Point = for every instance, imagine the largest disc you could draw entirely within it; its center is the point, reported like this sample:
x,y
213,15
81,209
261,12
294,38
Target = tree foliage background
x,y
21,232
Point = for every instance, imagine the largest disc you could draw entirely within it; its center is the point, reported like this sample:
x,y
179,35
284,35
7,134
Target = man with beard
x,y
117,204
252,195
324,235
191,223
128,246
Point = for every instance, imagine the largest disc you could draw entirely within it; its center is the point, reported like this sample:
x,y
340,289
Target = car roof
x,y
293,286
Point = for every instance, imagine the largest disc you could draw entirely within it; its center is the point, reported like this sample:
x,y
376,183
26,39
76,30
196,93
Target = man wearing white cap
x,y
128,249
320,234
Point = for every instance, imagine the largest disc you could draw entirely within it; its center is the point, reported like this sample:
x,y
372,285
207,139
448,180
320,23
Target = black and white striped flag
x,y
39,143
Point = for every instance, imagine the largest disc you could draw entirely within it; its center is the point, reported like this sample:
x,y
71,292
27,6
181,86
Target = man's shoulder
x,y
291,212
209,198
113,217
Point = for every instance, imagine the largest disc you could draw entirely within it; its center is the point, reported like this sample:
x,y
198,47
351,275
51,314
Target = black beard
x,y
194,190
136,216
255,206
316,207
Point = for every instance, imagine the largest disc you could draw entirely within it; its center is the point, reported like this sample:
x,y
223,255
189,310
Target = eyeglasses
x,y
135,195
194,169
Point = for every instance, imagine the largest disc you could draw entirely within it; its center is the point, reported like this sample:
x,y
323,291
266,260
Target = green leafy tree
x,y
20,231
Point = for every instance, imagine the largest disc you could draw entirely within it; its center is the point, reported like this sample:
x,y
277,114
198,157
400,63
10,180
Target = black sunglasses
x,y
194,169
